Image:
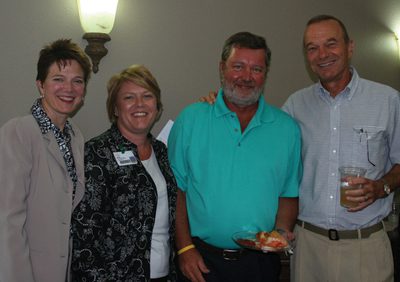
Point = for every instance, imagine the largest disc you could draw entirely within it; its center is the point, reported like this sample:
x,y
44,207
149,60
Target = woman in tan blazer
x,y
41,171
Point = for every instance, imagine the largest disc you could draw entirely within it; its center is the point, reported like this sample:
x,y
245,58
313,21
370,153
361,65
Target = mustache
x,y
243,82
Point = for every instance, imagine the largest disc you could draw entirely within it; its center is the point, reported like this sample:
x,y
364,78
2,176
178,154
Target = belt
x,y
336,235
226,254
161,279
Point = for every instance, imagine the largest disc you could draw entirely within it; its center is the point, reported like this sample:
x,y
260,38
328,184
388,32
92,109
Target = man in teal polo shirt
x,y
238,167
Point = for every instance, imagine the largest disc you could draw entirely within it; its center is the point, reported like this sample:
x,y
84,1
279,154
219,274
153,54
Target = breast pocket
x,y
369,145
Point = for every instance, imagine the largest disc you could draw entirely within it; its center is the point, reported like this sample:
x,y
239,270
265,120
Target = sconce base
x,y
95,49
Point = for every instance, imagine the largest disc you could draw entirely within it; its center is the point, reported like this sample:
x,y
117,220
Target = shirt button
x,y
331,197
236,130
333,174
334,151
334,128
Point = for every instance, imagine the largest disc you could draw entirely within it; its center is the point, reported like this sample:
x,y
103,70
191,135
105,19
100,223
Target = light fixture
x,y
397,37
97,20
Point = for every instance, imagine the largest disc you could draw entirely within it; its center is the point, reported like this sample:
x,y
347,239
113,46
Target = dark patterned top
x,y
63,139
112,225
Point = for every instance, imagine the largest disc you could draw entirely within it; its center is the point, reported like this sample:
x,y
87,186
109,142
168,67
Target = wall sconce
x,y
397,37
97,20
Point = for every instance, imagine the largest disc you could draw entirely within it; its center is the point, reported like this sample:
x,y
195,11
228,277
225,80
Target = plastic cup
x,y
346,173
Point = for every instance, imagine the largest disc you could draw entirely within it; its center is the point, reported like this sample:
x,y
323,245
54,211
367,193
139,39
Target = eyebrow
x,y
138,93
332,39
329,40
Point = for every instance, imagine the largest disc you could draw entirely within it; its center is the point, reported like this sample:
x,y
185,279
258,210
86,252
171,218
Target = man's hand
x,y
191,262
369,192
289,236
212,96
192,265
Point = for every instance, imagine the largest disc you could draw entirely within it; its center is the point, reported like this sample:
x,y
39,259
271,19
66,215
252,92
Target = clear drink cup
x,y
346,173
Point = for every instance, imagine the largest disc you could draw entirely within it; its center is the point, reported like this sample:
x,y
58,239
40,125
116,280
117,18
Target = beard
x,y
236,96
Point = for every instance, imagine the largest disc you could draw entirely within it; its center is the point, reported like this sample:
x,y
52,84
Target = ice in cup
x,y
347,172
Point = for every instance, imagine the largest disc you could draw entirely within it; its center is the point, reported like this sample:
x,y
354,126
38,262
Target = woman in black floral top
x,y
124,227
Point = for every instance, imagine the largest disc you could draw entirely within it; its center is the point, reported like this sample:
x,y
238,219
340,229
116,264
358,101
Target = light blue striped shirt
x,y
334,133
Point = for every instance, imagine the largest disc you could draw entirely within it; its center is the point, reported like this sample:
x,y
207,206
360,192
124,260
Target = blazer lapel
x,y
56,154
77,151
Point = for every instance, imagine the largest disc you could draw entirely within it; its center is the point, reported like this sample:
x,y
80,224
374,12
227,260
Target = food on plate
x,y
248,243
262,241
270,239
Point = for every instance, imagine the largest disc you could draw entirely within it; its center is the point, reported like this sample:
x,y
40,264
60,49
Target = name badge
x,y
125,158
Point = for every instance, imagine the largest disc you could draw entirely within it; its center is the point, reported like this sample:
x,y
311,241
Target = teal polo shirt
x,y
233,180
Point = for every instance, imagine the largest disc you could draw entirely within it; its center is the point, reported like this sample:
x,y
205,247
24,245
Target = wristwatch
x,y
386,187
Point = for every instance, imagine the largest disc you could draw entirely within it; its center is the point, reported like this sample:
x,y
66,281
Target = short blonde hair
x,y
139,75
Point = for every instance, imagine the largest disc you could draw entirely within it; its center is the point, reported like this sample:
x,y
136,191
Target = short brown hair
x,y
322,18
139,75
60,52
246,39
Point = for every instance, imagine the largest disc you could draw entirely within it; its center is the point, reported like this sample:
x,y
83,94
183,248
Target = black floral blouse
x,y
112,225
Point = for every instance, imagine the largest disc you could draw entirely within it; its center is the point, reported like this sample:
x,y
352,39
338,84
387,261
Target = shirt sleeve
x,y
287,106
394,135
295,168
177,147
15,167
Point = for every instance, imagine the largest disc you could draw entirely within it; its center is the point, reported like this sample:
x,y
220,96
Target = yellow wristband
x,y
185,249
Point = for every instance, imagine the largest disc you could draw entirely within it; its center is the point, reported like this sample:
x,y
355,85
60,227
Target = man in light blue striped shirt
x,y
345,120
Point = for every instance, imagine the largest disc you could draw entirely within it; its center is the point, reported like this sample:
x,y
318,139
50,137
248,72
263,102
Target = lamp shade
x,y
97,16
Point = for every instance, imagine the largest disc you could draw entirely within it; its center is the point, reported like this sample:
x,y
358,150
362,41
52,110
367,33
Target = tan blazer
x,y
35,202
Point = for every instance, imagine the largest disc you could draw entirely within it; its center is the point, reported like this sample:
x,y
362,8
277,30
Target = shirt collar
x,y
44,122
220,107
263,113
347,93
122,143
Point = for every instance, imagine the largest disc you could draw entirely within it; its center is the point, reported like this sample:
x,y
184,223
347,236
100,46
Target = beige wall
x,y
180,42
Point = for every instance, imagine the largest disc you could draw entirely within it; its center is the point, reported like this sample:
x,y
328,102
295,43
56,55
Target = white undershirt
x,y
160,249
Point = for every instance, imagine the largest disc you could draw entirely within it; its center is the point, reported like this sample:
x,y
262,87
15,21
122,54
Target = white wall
x,y
180,42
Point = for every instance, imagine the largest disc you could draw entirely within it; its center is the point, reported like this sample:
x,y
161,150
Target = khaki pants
x,y
318,259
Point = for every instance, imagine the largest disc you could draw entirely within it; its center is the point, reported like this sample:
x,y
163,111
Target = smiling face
x,y
243,76
136,110
327,52
62,91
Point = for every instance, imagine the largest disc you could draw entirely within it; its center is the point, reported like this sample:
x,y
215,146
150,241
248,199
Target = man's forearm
x,y
393,177
182,235
287,213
